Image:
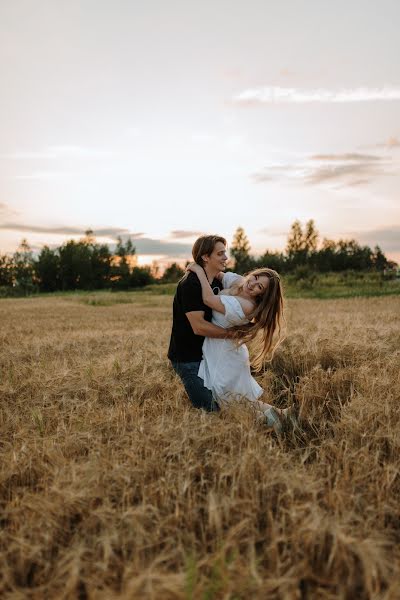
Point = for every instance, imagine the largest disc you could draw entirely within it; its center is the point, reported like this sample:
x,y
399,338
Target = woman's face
x,y
256,285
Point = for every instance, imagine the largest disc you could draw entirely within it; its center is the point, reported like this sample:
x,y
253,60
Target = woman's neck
x,y
241,292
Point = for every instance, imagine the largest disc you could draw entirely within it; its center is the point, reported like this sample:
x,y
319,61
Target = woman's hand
x,y
195,268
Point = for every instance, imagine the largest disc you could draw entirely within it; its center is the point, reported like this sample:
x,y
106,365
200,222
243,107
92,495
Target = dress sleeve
x,y
229,279
233,310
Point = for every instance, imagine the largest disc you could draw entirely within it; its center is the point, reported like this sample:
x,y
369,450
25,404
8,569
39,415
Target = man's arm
x,y
202,327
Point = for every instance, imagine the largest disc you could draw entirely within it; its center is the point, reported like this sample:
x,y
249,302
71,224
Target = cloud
x,y
344,174
6,211
57,162
264,176
281,172
351,156
388,238
151,246
354,183
233,74
142,244
112,232
342,170
182,233
286,72
392,142
272,232
203,137
27,155
60,151
133,131
44,175
80,152
277,95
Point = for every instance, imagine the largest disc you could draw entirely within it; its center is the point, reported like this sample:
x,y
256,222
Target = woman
x,y
251,307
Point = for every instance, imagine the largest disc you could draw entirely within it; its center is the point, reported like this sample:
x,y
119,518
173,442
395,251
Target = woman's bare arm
x,y
209,298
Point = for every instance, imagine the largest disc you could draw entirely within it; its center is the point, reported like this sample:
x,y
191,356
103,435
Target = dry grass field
x,y
113,487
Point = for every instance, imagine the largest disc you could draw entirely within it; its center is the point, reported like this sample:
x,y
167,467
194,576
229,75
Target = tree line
x,y
88,265
76,265
305,252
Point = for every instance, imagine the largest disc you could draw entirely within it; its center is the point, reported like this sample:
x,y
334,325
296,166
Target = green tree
x,y
140,276
84,264
310,237
295,243
379,259
101,265
272,260
324,259
89,239
47,270
172,274
240,251
75,266
23,269
350,255
301,245
6,271
121,270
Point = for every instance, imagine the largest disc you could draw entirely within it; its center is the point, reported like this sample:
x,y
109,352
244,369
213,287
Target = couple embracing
x,y
214,315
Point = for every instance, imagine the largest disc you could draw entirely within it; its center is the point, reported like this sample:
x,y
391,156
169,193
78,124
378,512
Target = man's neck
x,y
211,273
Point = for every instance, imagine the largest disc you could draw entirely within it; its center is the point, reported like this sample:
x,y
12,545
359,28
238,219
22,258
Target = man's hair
x,y
205,245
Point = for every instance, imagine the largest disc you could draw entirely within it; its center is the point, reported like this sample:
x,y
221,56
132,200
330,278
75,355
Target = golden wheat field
x,y
112,486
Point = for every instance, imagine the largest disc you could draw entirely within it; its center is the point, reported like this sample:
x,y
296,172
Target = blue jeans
x,y
199,396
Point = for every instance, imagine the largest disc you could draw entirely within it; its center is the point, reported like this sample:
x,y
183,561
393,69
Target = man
x,y
192,319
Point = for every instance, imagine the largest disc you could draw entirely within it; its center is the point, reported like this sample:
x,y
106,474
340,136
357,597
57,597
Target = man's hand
x,y
204,328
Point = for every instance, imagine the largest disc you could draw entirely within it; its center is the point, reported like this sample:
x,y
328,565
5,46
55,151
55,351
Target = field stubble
x,y
112,486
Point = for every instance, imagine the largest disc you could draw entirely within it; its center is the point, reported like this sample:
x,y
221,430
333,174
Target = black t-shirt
x,y
186,346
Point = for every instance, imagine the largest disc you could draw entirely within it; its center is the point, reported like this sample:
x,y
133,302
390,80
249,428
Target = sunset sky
x,y
164,120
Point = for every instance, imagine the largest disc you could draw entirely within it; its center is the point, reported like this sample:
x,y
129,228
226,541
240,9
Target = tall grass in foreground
x,y
112,486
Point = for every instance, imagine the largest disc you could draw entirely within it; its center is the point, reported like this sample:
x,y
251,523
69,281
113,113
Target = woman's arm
x,y
229,279
247,306
209,298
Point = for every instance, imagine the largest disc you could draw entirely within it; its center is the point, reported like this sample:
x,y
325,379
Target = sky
x,y
166,120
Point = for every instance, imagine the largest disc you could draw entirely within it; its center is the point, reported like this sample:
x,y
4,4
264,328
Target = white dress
x,y
225,368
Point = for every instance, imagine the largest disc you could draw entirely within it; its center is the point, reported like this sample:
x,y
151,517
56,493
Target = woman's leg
x,y
268,415
275,417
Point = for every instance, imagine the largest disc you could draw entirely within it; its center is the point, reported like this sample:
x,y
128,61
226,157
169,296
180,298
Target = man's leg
x,y
199,396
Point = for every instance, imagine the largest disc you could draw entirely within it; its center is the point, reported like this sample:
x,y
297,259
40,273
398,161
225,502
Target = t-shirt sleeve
x,y
233,310
229,279
191,295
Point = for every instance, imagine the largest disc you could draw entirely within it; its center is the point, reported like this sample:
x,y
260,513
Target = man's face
x,y
217,259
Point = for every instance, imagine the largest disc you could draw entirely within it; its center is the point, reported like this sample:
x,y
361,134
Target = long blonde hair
x,y
265,320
